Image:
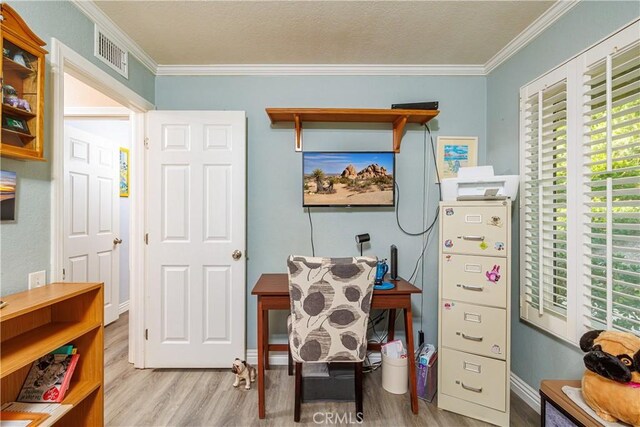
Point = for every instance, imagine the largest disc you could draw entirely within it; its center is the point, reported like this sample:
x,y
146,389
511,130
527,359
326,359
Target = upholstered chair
x,y
330,304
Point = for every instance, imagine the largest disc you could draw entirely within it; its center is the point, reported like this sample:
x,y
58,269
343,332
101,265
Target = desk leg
x,y
408,328
266,339
391,331
261,335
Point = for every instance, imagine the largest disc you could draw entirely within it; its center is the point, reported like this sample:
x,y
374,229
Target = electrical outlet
x,y
37,279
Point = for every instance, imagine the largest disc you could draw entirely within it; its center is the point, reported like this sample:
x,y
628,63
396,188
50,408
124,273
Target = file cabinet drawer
x,y
473,328
475,279
473,378
474,230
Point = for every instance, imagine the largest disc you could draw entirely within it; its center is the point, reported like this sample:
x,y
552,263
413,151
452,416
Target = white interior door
x,y
92,214
195,293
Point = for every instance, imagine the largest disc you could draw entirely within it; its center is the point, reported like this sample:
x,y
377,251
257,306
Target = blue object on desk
x,y
381,270
384,286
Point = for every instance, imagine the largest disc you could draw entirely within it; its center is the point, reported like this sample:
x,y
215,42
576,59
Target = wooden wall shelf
x,y
38,321
28,82
11,65
20,134
398,118
17,111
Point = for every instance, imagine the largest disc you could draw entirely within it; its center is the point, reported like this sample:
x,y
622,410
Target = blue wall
x,y
537,355
277,224
25,243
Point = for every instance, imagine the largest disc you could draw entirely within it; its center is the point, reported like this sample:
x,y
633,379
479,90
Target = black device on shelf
x,y
393,270
428,105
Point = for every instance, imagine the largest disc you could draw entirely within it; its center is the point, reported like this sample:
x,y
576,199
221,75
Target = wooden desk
x,y
551,391
272,291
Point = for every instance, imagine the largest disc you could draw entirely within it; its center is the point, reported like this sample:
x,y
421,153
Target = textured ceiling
x,y
322,32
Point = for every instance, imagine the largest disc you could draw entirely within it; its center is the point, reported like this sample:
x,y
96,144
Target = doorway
x,y
97,140
216,143
66,61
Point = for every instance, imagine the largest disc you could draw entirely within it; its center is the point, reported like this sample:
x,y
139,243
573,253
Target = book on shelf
x,y
35,413
65,349
49,377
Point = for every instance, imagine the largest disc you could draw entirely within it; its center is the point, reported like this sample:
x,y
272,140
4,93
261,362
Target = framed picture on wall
x,y
455,152
8,181
124,172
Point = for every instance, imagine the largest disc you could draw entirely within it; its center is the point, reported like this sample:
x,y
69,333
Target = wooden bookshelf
x,y
397,117
36,322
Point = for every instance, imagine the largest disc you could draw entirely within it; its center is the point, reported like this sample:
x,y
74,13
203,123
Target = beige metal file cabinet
x,y
474,309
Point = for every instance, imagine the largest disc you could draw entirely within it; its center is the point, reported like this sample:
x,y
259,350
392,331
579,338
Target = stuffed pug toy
x,y
611,384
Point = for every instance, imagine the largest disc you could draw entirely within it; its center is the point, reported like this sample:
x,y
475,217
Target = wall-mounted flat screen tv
x,y
348,178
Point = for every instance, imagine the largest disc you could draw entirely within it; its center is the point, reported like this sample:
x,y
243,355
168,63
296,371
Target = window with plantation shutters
x,y
580,192
544,201
611,177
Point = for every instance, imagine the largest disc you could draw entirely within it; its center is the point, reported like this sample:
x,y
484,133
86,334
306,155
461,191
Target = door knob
x,y
117,241
236,255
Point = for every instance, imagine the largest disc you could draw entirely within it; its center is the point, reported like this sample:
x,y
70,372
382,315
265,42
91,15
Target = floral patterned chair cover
x,y
330,304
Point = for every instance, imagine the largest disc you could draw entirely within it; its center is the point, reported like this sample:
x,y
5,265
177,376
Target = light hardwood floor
x,y
205,397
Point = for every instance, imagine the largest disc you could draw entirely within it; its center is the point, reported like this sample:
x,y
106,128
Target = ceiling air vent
x,y
111,53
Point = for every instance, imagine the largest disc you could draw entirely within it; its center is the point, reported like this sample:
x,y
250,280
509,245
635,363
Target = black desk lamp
x,y
361,239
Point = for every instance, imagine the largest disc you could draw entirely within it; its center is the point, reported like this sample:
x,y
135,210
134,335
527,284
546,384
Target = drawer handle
x,y
473,288
473,389
471,237
470,338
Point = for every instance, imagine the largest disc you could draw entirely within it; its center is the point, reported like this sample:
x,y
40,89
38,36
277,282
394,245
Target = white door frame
x,y
99,113
65,60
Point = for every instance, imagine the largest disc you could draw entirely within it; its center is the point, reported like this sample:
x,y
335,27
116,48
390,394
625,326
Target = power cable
x,y
313,249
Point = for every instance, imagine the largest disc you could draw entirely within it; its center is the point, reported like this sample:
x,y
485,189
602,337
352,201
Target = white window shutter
x,y
611,177
580,192
543,203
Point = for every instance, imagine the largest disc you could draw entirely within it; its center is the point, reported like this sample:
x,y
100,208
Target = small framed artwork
x,y
124,172
455,152
8,181
15,124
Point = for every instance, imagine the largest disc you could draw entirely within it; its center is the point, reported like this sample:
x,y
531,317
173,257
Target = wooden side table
x,y
551,392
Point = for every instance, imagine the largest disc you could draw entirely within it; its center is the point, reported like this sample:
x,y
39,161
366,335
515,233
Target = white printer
x,y
479,183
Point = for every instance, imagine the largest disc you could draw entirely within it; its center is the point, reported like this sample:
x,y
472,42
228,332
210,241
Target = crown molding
x,y
319,70
95,14
544,21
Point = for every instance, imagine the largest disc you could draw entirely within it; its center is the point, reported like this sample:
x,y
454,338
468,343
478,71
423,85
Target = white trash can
x,y
395,374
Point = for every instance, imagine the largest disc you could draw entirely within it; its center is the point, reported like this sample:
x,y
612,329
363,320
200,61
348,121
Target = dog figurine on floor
x,y
243,371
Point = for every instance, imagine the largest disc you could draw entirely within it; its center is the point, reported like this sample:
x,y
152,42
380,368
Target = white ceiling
x,y
323,32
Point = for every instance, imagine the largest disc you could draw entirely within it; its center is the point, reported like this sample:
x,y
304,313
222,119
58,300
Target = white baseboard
x,y
525,392
123,307
276,358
